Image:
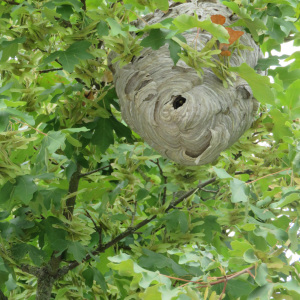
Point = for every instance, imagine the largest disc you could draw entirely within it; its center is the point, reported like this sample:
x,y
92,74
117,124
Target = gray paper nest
x,y
184,118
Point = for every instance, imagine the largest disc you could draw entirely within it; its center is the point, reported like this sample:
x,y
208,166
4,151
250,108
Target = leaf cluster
x,y
86,201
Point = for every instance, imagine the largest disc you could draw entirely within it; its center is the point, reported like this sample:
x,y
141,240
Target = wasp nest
x,y
185,118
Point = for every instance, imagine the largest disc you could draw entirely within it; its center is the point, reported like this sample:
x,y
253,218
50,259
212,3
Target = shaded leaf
x,y
78,251
24,188
239,191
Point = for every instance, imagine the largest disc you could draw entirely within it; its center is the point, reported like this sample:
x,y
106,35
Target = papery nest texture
x,y
186,119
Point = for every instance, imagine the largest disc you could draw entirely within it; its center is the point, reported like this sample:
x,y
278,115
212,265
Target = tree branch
x,y
11,2
73,188
2,296
97,227
92,172
30,270
84,4
165,181
133,213
50,70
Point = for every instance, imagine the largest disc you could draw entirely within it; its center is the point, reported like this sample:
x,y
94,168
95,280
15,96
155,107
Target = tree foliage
x,y
88,210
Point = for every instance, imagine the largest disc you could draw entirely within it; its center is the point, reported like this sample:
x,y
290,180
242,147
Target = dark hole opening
x,y
178,102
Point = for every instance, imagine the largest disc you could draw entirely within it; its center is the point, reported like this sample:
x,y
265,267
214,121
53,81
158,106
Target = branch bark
x,y
2,296
94,171
44,284
50,70
73,188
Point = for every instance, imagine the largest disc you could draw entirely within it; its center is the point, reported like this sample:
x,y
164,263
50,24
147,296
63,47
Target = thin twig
x,y
133,213
83,4
165,180
18,121
30,270
97,227
2,296
92,172
11,2
209,191
224,288
73,189
268,175
50,70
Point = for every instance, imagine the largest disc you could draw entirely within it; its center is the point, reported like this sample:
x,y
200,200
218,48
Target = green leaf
x,y
291,285
296,64
9,49
54,141
115,27
185,22
77,5
99,278
121,130
155,39
260,85
151,293
278,233
141,194
237,288
293,236
280,129
287,199
65,11
285,75
176,220
88,275
78,251
73,141
265,63
174,49
162,4
209,227
24,188
54,196
239,191
75,130
263,214
249,256
103,136
154,261
22,115
4,120
71,56
37,256
261,275
102,28
291,99
11,283
56,236
6,192
239,248
221,173
262,292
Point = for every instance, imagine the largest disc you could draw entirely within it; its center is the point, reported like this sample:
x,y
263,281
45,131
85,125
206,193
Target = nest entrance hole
x,y
178,101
